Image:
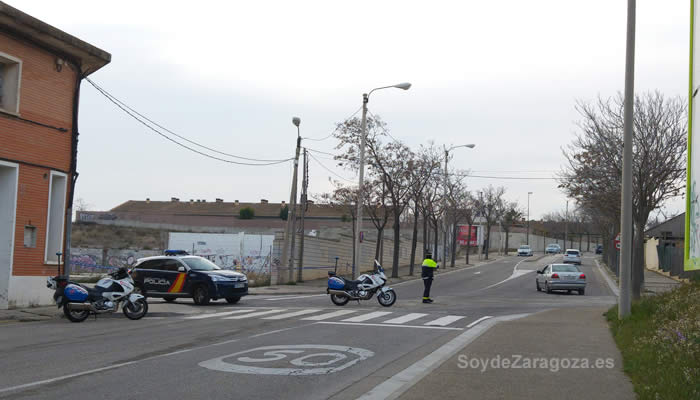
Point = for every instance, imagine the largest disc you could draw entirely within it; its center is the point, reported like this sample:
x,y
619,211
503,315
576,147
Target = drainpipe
x,y
73,173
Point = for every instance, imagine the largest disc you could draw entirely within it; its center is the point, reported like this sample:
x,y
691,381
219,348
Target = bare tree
x,y
511,215
490,206
594,162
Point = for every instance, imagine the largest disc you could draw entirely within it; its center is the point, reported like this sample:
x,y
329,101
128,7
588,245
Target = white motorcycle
x,y
78,301
366,286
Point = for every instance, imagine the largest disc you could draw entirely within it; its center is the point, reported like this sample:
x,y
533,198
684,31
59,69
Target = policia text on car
x,y
427,270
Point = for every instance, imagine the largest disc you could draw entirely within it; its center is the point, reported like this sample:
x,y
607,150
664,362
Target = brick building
x,y
41,69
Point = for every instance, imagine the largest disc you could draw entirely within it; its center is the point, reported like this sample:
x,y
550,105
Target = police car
x,y
177,274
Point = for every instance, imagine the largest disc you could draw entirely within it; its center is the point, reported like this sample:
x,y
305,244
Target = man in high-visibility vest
x,y
427,270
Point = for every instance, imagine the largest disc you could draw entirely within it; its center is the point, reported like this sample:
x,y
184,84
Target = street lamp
x,y
290,227
444,200
528,218
363,134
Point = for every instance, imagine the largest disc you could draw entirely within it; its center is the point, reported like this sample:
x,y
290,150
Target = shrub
x,y
246,213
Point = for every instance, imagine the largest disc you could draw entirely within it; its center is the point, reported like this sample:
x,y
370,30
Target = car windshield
x,y
572,253
200,264
553,245
565,268
525,247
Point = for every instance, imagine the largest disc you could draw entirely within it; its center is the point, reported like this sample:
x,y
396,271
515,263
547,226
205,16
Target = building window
x,y
56,212
29,236
10,77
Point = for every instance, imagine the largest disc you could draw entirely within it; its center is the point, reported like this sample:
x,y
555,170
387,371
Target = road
x,y
291,347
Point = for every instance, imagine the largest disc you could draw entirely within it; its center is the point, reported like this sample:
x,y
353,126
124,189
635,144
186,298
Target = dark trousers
x,y
427,275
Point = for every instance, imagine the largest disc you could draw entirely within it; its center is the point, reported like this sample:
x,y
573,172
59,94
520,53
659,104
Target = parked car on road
x,y
599,249
572,256
553,248
524,250
561,277
174,276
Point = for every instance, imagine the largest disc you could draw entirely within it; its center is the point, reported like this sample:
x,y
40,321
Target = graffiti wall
x,y
239,251
87,260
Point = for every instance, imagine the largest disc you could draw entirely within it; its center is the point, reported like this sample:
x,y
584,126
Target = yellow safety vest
x,y
429,263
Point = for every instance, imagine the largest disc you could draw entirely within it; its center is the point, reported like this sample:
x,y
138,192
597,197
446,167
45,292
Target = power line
x,y
328,169
321,152
178,143
334,130
121,103
384,129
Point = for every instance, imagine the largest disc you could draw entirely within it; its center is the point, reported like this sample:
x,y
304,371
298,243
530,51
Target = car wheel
x,y
568,291
537,284
232,300
582,292
169,299
547,288
200,295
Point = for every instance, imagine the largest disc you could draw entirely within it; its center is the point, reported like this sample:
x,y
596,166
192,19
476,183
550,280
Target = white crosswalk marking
x,y
329,315
292,314
367,317
405,318
444,321
257,314
219,314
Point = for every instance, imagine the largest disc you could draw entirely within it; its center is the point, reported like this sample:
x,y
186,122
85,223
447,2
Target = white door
x,y
9,173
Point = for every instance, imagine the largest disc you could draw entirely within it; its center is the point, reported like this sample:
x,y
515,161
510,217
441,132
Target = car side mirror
x,y
180,269
539,271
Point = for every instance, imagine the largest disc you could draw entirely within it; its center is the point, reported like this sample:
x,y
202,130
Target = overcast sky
x,y
504,75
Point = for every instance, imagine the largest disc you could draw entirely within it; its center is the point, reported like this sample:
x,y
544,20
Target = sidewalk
x,y
561,337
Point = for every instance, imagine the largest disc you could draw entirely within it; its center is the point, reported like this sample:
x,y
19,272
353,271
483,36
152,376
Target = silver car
x,y
572,256
561,277
525,250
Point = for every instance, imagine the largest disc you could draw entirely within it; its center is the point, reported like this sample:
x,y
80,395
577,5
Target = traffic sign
x,y
617,241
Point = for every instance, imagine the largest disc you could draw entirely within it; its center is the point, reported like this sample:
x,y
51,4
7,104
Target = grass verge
x,y
660,344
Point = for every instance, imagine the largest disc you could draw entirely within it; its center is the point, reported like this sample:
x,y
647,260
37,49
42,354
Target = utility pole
x,y
304,206
624,306
358,229
444,213
566,224
528,218
287,255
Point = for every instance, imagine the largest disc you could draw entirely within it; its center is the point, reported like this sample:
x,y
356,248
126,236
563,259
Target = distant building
x,y
41,69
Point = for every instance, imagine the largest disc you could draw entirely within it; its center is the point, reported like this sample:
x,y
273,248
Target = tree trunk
x,y
414,243
380,238
505,251
588,246
436,253
469,242
454,245
580,242
426,240
397,243
488,240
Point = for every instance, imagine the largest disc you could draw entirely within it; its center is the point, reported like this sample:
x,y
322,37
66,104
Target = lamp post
x,y
363,134
528,218
444,200
290,227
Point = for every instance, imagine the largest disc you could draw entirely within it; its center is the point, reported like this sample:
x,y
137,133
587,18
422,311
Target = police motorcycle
x,y
78,301
366,286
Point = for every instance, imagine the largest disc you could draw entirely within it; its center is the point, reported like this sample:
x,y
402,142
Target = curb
x,y
669,276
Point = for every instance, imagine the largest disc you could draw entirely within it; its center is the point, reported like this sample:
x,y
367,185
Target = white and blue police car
x,y
178,274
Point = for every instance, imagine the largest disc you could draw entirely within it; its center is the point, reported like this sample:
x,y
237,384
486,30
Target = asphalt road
x,y
291,347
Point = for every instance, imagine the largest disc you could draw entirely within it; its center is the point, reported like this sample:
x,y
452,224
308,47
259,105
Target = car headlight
x,y
243,278
219,278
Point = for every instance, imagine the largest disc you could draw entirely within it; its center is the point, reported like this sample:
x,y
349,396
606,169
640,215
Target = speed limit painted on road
x,y
301,359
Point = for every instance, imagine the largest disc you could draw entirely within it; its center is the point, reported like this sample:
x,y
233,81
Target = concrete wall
x,y
538,243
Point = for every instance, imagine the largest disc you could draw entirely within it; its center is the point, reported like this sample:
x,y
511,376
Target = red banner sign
x,y
463,235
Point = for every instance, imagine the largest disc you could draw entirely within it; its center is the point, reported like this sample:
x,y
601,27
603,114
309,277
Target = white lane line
x,y
477,272
398,384
293,314
367,317
391,325
444,321
478,320
405,318
329,315
293,297
608,280
450,272
257,314
219,314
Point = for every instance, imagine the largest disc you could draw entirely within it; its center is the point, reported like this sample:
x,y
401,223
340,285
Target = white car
x,y
572,256
561,277
524,250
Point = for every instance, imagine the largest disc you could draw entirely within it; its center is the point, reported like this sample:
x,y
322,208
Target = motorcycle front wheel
x,y
387,299
136,310
339,300
75,315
